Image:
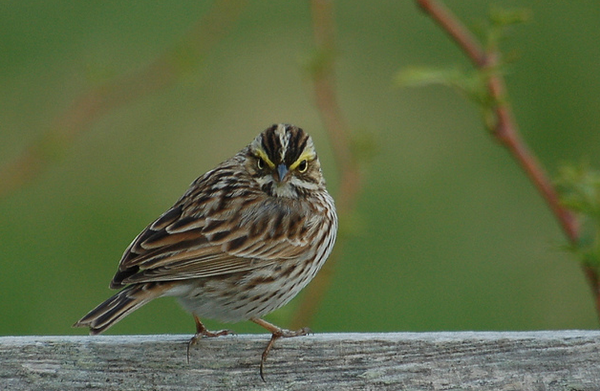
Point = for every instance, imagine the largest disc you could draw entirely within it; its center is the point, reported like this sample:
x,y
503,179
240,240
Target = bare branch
x,y
506,129
323,77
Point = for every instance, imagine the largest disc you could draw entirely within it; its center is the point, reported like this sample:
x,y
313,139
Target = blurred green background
x,y
450,234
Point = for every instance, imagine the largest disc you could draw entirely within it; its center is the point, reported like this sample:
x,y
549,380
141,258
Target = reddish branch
x,y
506,130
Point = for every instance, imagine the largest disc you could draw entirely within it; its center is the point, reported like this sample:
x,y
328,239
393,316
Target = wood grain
x,y
547,360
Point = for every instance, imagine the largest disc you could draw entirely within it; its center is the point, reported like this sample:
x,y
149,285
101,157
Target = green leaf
x,y
423,76
472,84
501,17
578,187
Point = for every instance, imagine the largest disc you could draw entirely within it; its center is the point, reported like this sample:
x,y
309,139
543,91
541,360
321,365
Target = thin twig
x,y
339,137
451,25
506,129
90,106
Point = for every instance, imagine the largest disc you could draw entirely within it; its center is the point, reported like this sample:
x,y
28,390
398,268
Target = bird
x,y
243,240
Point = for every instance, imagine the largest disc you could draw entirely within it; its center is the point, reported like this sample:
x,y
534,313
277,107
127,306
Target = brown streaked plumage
x,y
241,242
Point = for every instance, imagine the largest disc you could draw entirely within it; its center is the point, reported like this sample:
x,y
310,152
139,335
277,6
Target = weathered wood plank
x,y
549,360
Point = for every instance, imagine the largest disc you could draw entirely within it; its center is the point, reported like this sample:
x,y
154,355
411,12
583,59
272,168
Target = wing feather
x,y
191,241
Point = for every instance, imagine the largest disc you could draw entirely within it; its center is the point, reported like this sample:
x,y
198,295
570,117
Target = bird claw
x,y
276,334
202,332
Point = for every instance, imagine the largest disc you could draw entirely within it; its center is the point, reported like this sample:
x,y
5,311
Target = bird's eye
x,y
260,164
303,166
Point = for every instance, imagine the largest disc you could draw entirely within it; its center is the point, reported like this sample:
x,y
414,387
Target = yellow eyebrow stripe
x,y
305,156
265,158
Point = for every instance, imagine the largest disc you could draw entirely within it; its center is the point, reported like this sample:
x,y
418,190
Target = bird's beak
x,y
282,171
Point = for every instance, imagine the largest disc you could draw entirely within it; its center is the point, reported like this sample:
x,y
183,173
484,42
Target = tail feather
x,y
120,305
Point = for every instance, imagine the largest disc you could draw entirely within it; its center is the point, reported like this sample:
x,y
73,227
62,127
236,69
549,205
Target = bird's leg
x,y
202,332
276,333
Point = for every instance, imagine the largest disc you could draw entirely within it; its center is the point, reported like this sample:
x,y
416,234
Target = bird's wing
x,y
191,241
